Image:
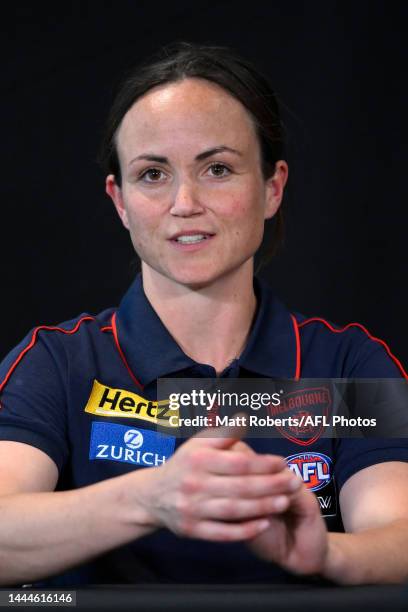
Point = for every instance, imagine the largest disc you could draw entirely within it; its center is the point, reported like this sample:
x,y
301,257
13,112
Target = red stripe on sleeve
x,y
339,331
34,340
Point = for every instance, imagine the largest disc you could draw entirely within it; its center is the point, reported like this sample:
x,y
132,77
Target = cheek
x,y
144,230
142,218
238,208
245,212
247,200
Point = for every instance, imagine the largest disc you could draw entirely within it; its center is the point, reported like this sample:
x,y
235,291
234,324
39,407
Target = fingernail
x,y
281,502
294,484
264,524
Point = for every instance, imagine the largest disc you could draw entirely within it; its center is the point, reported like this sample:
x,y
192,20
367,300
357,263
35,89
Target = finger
x,y
304,502
220,437
230,509
242,447
218,531
252,486
237,463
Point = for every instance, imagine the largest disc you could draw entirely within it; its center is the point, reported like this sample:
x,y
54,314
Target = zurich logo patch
x,y
114,442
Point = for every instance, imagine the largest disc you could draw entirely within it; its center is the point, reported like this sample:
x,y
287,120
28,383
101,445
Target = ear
x,y
115,192
275,186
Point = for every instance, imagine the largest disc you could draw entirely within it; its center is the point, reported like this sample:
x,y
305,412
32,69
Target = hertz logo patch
x,y
109,402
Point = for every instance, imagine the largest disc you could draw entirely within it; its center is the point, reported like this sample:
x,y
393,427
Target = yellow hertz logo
x,y
109,402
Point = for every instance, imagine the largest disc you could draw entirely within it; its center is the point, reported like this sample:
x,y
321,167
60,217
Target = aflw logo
x,y
325,502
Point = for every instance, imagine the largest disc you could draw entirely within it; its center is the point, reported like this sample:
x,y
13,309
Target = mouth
x,y
191,239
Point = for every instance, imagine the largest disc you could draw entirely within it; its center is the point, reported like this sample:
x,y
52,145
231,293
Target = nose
x,y
185,200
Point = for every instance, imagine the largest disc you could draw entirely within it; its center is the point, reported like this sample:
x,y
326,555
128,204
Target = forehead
x,y
190,113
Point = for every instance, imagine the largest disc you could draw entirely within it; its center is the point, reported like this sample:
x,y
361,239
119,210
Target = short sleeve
x,y
355,454
33,398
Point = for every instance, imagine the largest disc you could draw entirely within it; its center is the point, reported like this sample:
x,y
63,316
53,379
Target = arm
x,y
374,506
43,532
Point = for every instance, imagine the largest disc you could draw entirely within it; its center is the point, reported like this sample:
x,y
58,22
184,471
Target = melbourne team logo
x,y
316,471
303,405
114,442
109,402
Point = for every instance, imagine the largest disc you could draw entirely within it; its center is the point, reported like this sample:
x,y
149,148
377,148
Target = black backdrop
x,y
340,69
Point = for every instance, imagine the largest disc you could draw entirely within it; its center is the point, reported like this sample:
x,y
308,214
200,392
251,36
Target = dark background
x,y
340,70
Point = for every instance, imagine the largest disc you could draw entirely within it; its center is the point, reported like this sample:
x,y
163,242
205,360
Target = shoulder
x,y
347,350
49,343
321,348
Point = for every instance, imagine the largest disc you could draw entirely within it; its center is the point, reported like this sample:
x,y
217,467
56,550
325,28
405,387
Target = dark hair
x,y
220,65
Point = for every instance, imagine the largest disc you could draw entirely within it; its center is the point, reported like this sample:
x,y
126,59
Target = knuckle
x,y
249,529
279,463
275,482
181,506
242,462
227,508
185,526
267,505
190,484
198,458
241,487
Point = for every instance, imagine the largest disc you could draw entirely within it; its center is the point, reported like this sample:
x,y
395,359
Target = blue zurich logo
x,y
113,442
133,438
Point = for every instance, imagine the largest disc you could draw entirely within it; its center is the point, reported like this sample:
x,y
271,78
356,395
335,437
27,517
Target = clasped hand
x,y
217,488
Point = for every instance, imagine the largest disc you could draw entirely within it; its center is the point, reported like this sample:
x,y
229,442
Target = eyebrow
x,y
199,157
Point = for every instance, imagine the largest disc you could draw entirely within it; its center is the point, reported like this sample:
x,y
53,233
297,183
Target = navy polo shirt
x,y
84,392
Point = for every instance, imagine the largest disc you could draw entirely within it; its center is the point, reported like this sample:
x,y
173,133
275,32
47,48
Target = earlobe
x,y
115,193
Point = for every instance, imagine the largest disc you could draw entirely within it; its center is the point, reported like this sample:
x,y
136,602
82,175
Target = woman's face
x,y
193,196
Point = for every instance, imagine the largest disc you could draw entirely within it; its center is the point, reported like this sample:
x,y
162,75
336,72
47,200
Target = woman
x,y
195,165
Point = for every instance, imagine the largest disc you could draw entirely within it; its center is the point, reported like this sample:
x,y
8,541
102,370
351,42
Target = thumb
x,y
222,437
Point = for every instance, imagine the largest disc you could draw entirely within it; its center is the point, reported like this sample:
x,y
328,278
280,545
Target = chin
x,y
199,276
195,279
195,282
200,279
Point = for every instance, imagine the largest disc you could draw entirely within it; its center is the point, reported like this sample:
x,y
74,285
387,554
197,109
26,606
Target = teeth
x,y
191,239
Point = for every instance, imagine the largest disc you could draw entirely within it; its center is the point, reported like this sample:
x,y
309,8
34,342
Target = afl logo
x,y
315,469
133,438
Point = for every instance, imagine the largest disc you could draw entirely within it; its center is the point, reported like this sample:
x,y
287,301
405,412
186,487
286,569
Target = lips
x,y
191,236
191,241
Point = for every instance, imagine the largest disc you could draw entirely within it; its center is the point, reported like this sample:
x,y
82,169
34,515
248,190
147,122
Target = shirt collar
x,y
151,352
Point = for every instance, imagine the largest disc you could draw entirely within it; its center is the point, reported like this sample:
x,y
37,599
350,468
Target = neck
x,y
210,324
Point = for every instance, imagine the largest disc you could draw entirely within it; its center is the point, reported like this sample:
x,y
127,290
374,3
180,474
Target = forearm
x,y
45,533
377,555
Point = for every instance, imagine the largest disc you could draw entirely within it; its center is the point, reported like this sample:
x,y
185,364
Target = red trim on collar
x,y
115,335
339,331
34,340
298,353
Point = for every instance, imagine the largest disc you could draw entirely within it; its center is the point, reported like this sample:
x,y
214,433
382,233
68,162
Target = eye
x,y
219,170
152,175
